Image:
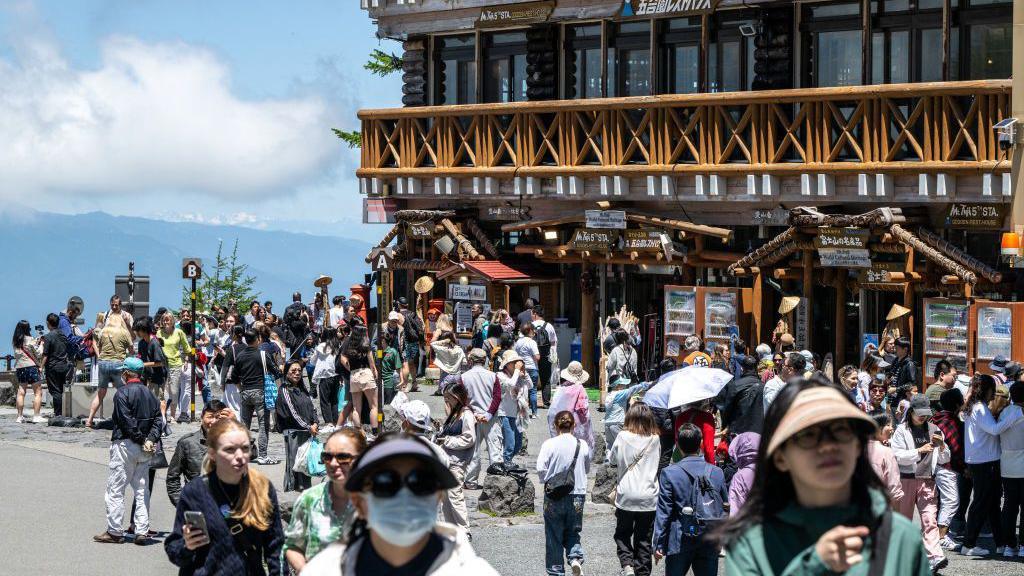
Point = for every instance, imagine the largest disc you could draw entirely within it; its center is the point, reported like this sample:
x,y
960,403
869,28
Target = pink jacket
x,y
885,465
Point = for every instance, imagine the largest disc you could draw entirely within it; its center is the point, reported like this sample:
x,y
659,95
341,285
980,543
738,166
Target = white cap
x,y
807,356
417,413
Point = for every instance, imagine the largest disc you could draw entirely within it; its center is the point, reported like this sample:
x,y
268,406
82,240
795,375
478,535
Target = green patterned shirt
x,y
314,524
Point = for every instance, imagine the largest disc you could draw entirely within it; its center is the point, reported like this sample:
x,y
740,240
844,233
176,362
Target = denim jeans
x,y
532,392
563,522
254,403
693,553
512,436
109,374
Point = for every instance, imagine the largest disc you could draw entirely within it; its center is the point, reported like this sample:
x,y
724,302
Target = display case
x,y
680,317
720,316
946,327
993,325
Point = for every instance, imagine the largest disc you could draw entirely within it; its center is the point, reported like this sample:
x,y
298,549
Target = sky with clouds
x,y
209,111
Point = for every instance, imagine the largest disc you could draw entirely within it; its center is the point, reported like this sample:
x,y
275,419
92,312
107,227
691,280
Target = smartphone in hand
x,y
196,521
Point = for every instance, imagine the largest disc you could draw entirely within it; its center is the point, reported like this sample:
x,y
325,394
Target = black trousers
x,y
56,381
327,390
544,368
1013,504
964,488
633,533
984,503
294,481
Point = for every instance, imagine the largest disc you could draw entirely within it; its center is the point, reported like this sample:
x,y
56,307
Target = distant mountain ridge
x,y
48,257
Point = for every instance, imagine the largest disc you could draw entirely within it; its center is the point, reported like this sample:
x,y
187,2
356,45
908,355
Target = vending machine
x,y
992,328
946,327
725,315
680,318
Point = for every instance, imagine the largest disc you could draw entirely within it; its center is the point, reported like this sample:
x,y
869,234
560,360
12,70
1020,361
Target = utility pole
x,y
192,269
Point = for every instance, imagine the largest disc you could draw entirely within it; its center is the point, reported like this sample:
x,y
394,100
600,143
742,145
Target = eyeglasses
x,y
838,431
387,483
341,457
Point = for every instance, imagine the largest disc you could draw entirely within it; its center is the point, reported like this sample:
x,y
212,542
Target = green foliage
x,y
381,63
225,282
353,138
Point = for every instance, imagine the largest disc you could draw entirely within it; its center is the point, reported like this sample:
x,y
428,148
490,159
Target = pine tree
x,y
225,282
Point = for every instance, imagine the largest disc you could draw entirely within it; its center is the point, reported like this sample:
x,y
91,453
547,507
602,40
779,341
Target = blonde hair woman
x,y
240,525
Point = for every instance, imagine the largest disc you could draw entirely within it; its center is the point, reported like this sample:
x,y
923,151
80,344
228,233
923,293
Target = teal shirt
x,y
784,545
314,524
391,364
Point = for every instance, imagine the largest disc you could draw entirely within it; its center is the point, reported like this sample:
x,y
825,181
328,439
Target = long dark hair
x,y
22,330
357,345
459,391
983,387
773,489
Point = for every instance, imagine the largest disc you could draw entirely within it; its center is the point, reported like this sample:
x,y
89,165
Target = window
x,y
906,41
833,36
990,49
583,61
680,56
629,59
730,57
505,67
455,70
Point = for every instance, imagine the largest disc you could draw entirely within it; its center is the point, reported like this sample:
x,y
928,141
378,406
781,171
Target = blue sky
x,y
185,109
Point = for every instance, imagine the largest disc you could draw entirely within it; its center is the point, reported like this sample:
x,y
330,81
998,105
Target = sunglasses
x,y
341,457
839,431
387,483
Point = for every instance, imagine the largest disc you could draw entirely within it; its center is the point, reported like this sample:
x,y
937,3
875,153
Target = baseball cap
x,y
920,405
1013,370
477,355
132,364
391,447
417,413
808,356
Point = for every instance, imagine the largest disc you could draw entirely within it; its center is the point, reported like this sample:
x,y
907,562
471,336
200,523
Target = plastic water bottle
x,y
576,349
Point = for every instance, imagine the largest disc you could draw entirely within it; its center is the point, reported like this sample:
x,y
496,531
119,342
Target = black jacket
x,y
294,409
246,364
136,411
187,461
741,403
902,373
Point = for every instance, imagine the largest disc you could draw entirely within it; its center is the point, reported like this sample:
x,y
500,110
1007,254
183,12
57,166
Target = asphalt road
x,y
52,492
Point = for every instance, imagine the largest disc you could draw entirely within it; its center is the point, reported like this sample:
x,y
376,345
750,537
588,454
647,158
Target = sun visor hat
x,y
814,406
398,446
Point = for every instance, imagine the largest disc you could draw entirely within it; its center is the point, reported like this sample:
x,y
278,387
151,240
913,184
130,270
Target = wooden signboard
x,y
879,272
420,230
515,14
613,219
472,292
642,240
593,239
505,213
829,237
970,216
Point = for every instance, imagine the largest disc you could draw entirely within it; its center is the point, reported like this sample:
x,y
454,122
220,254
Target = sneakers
x,y
999,549
938,565
265,461
472,486
948,543
577,567
976,551
1009,552
38,420
19,420
1020,551
108,538
628,571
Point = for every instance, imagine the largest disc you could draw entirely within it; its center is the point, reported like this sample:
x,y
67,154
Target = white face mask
x,y
402,519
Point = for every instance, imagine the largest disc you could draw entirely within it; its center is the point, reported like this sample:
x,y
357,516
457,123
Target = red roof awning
x,y
493,271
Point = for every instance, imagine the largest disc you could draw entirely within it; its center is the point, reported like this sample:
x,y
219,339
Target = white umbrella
x,y
685,386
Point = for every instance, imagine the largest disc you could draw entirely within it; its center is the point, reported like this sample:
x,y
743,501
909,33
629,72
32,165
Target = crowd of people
x,y
792,468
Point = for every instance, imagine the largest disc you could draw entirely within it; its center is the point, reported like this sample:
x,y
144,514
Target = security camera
x,y
1006,133
747,30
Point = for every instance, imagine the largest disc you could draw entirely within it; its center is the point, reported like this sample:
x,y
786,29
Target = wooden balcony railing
x,y
939,126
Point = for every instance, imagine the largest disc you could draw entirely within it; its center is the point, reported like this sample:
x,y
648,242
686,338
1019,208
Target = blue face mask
x,y
402,519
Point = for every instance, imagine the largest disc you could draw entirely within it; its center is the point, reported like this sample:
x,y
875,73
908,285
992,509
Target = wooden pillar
x,y
840,324
757,334
808,292
588,332
908,301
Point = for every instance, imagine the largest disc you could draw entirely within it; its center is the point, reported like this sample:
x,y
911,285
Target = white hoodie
x,y
457,557
636,460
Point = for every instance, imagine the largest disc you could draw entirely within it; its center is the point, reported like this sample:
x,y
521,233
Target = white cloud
x,y
151,119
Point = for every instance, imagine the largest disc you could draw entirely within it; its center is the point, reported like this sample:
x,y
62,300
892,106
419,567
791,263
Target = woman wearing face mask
x,y
395,486
297,421
240,510
817,507
920,448
324,514
883,461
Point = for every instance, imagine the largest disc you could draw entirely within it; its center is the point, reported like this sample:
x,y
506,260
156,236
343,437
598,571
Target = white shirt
x,y
510,390
527,349
638,486
556,455
981,434
479,382
771,390
1011,444
323,362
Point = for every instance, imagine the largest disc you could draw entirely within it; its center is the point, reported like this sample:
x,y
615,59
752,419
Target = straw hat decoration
x,y
789,303
424,284
896,311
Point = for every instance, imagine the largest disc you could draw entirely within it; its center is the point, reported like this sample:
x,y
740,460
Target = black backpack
x,y
540,335
413,327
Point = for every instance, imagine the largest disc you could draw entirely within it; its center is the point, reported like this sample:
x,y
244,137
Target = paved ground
x,y
52,494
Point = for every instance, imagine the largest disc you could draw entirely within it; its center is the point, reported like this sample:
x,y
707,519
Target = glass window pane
x,y
451,81
899,57
683,24
730,66
585,31
749,42
830,10
930,4
713,84
990,51
613,84
642,27
839,58
636,73
467,82
685,70
897,5
931,55
497,81
878,58
519,77
988,2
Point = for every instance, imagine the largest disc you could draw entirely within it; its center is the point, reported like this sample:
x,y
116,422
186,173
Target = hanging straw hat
x,y
789,303
424,284
896,311
322,281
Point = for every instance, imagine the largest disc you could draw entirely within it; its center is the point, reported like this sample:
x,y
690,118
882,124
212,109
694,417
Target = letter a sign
x,y
381,259
191,268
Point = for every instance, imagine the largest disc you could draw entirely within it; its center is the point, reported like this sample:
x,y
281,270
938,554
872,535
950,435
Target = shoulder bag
x,y
562,484
269,385
615,491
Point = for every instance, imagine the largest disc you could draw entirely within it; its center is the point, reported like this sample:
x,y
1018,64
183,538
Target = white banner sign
x,y
472,292
845,257
606,219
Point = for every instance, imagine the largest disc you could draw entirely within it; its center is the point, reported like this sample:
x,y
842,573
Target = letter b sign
x,y
191,268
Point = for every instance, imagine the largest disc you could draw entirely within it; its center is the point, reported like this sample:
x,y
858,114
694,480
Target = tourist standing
x,y
635,453
1011,445
513,380
229,375
870,367
919,448
485,399
58,363
547,345
390,368
458,440
793,365
175,345
297,421
526,316
945,376
680,529
741,401
743,452
903,371
187,461
113,344
323,514
132,444
251,366
883,461
571,397
562,466
448,357
949,475
239,508
325,376
28,354
815,496
355,357
414,334
527,349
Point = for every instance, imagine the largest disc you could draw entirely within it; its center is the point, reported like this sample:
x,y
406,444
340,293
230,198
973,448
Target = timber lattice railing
x,y
911,128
